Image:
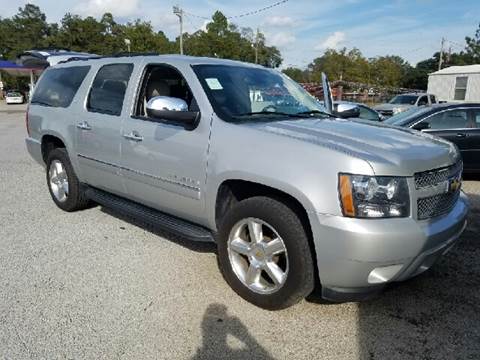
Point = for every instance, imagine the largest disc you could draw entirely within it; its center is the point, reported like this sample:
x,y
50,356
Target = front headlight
x,y
397,110
364,196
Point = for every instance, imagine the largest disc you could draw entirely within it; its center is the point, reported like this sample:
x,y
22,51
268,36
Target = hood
x,y
389,107
389,150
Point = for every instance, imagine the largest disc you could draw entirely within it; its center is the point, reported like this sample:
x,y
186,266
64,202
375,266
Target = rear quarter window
x,y
58,87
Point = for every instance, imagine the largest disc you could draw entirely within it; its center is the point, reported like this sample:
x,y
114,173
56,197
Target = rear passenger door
x,y
99,125
472,153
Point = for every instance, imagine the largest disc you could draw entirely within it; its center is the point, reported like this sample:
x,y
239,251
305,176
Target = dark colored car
x,y
458,123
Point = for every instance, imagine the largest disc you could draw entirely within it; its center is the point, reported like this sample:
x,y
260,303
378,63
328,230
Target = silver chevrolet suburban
x,y
223,151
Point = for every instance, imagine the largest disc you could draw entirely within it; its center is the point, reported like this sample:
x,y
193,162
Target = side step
x,y
151,216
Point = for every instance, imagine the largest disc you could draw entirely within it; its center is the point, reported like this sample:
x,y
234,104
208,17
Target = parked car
x,y
458,123
43,58
348,109
293,199
14,97
404,102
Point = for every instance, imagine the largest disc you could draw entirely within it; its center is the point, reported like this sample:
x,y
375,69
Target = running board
x,y
151,216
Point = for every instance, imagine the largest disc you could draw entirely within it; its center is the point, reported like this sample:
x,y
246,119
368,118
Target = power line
x,y
249,13
194,24
456,44
259,10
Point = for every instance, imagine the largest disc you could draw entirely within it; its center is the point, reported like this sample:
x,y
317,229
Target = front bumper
x,y
357,257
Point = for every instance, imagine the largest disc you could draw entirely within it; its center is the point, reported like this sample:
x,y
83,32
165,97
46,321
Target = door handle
x,y
461,135
133,136
84,126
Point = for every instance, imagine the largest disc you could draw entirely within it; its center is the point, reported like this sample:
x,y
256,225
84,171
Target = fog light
x,y
383,274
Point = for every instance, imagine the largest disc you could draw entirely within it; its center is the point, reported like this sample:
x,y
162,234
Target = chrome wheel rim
x,y
58,180
258,256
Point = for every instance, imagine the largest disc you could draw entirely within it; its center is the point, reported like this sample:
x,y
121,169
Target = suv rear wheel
x,y
65,189
264,255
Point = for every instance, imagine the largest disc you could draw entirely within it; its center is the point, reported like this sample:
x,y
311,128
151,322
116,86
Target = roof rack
x,y
117,55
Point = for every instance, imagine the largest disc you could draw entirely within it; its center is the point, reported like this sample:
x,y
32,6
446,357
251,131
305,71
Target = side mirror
x,y
422,126
174,110
347,111
327,94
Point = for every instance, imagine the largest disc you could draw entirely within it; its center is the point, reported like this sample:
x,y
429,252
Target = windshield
x,y
407,116
13,94
404,99
241,93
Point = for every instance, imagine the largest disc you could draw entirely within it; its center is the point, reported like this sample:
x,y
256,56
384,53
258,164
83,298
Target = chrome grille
x,y
436,205
434,177
440,199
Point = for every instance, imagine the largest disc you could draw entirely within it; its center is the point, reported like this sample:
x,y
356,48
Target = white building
x,y
456,83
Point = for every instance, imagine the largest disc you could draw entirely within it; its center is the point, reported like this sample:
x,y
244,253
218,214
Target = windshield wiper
x,y
313,112
269,113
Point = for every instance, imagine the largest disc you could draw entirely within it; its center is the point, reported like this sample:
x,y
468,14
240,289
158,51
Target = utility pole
x,y
441,55
179,12
256,46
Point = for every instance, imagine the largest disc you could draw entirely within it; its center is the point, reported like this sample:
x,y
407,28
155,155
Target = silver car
x,y
404,102
223,151
14,97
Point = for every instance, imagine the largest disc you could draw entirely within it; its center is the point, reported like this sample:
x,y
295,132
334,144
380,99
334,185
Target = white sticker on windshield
x,y
214,84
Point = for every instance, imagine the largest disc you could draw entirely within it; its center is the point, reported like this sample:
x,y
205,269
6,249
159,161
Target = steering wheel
x,y
270,108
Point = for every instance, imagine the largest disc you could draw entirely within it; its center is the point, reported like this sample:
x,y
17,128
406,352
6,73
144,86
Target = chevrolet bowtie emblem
x,y
454,184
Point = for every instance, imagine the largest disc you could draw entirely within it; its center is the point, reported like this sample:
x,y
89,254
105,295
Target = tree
x,y
389,70
26,30
295,74
227,41
340,65
473,47
144,39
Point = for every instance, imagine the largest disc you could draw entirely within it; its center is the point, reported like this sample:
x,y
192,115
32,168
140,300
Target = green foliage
x,y
473,47
227,41
296,74
28,29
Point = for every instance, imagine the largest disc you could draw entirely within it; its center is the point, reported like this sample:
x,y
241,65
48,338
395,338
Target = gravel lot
x,y
94,285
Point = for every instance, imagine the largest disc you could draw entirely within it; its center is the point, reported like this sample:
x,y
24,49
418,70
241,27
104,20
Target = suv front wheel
x,y
65,189
264,254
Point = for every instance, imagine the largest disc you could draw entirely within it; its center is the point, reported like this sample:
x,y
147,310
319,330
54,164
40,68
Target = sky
x,y
302,29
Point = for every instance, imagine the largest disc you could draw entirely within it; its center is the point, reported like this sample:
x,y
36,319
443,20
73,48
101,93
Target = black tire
x,y
300,280
76,199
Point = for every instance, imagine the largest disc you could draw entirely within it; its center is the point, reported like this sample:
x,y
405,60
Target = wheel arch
x,y
50,142
234,190
231,191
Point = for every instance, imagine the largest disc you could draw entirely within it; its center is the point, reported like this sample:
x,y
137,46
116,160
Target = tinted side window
x,y
433,99
423,101
108,89
58,86
455,119
368,114
476,118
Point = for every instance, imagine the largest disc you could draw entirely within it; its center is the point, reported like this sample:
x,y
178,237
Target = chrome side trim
x,y
195,188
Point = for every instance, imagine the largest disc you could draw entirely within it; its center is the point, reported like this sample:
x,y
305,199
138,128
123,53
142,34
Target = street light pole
x,y
179,12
